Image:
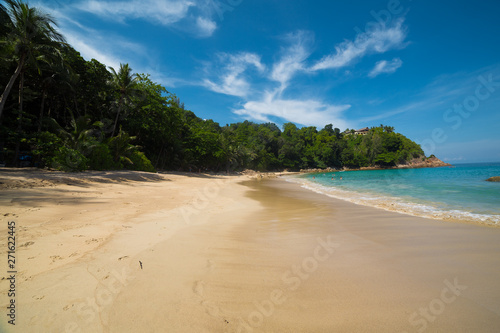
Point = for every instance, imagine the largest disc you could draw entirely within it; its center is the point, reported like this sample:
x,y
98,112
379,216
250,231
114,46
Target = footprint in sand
x,y
39,297
26,244
67,307
210,265
198,288
54,258
211,309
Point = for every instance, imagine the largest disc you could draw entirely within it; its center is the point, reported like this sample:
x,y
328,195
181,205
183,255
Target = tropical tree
x,y
31,36
55,77
125,84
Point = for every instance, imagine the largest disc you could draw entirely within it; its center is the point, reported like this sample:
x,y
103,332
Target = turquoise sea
x,y
459,192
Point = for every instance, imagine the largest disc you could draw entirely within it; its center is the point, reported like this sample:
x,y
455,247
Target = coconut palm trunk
x,y
42,108
19,118
125,84
117,115
12,80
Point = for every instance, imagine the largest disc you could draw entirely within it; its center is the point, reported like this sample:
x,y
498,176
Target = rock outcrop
x,y
494,179
422,162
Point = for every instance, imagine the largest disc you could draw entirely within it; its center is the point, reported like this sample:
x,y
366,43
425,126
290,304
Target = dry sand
x,y
220,256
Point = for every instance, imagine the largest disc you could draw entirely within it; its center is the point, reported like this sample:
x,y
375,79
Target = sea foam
x,y
396,204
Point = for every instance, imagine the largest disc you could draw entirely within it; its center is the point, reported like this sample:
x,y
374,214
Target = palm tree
x,y
126,84
31,34
121,148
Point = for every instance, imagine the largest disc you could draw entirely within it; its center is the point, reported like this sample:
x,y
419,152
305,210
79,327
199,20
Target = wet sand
x,y
390,272
261,256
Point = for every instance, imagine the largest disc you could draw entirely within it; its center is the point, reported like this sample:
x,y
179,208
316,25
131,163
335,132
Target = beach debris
x,y
140,263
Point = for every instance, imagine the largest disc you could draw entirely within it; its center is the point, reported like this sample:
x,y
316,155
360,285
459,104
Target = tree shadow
x,y
206,175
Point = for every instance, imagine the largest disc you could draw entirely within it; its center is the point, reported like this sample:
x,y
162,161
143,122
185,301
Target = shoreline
x,y
397,205
237,254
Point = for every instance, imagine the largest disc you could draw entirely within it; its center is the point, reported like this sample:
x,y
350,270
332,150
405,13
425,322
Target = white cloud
x,y
385,66
190,16
231,80
307,112
90,50
263,100
164,12
380,40
206,26
293,58
266,102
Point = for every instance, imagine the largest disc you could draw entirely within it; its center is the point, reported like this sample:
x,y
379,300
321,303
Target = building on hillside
x,y
362,131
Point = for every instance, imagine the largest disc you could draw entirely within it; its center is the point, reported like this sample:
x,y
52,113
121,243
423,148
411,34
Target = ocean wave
x,y
396,204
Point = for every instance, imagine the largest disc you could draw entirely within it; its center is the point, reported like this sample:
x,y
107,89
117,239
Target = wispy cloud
x,y
164,12
109,48
293,57
194,17
385,66
91,51
308,112
380,40
206,27
263,100
119,51
231,80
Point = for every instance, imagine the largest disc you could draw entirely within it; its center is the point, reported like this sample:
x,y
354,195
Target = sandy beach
x,y
140,252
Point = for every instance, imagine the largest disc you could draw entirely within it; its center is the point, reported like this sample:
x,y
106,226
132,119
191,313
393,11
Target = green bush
x,y
44,146
386,159
101,159
67,159
140,162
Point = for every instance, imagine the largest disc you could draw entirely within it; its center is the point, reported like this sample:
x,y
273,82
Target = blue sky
x,y
429,68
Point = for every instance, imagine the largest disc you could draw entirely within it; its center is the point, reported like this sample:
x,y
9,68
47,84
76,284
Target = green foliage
x,y
101,159
124,83
126,155
67,159
44,146
31,38
121,148
386,159
140,162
